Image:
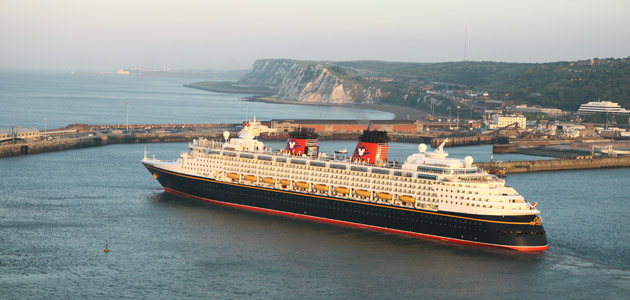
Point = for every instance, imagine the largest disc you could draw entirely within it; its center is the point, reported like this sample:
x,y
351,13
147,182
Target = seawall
x,y
101,140
463,141
560,164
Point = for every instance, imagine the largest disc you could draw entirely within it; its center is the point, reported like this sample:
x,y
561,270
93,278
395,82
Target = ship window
x,y
380,171
360,169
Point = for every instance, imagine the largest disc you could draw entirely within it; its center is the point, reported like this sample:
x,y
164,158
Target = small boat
x,y
302,184
363,193
233,176
285,182
321,187
251,178
407,199
342,190
384,196
269,180
344,151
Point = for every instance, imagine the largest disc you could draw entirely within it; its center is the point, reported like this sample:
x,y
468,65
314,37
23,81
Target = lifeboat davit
x,y
233,176
321,187
302,184
384,196
269,180
251,178
407,199
342,190
363,193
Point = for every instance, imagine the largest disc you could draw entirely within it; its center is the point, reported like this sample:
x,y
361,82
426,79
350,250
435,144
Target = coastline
x,y
400,112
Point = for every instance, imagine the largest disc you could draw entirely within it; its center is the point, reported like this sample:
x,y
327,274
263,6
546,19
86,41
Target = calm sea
x,y
57,210
31,99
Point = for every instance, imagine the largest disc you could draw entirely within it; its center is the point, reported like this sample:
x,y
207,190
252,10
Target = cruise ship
x,y
428,195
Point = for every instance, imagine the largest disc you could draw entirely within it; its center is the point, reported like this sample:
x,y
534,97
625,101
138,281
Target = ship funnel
x,y
302,141
372,148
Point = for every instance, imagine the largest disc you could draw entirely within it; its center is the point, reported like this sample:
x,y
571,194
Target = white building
x,y
19,133
602,107
502,121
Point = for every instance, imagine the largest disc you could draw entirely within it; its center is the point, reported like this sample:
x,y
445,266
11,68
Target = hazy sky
x,y
88,35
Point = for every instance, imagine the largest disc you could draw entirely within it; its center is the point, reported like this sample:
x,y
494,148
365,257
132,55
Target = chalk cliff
x,y
311,82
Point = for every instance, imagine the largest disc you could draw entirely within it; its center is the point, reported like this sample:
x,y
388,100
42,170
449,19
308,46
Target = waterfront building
x,y
502,121
19,133
602,107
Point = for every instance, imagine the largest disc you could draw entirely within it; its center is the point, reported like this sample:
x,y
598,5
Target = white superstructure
x,y
426,180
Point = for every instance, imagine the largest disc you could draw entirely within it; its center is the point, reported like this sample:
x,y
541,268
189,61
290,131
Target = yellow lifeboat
x,y
363,193
384,196
302,184
407,199
342,190
233,175
285,182
321,187
251,178
269,180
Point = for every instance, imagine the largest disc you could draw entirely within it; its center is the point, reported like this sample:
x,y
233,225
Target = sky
x,y
87,35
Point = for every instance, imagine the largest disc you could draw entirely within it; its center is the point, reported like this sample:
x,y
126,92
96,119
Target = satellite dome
x,y
422,148
468,161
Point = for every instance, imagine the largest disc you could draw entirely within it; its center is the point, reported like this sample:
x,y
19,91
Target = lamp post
x,y
127,117
45,127
458,107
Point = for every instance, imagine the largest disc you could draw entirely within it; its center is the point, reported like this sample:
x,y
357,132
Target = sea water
x,y
58,209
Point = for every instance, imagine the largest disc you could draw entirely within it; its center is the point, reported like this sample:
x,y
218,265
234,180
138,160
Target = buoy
x,y
106,249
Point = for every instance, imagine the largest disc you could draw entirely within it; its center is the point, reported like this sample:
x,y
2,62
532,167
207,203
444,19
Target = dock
x,y
563,164
32,147
464,141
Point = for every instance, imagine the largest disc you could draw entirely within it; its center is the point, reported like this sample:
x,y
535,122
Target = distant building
x,y
19,133
493,104
502,121
549,111
348,126
602,107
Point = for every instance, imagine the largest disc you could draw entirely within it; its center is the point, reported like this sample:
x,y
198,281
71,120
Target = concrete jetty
x,y
32,147
560,164
464,141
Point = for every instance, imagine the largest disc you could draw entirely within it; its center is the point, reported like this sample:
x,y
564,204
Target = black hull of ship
x,y
515,232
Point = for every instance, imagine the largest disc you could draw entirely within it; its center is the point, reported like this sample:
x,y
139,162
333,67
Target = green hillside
x,y
564,85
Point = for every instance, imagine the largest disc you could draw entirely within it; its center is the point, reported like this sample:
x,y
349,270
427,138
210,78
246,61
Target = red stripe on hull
x,y
307,217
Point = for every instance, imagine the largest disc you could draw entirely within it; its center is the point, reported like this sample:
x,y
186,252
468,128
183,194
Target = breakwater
x,y
101,140
463,141
559,164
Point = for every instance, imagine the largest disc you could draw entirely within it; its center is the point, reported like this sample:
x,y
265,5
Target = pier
x,y
32,147
464,141
578,163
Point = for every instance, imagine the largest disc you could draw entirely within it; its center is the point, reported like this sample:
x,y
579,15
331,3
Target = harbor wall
x,y
463,141
25,148
559,164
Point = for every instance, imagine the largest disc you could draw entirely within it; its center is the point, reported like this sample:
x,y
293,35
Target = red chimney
x,y
372,148
303,141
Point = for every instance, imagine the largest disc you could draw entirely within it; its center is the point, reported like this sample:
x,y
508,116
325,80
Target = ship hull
x,y
515,232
